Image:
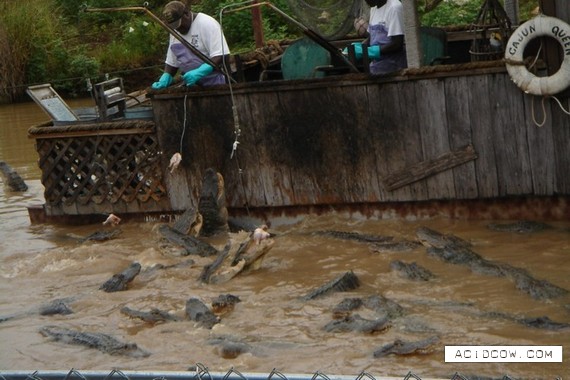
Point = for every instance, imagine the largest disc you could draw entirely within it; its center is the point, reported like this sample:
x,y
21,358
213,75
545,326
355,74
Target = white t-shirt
x,y
391,15
205,34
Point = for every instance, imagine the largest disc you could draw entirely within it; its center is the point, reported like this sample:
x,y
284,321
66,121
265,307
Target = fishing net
x,y
332,19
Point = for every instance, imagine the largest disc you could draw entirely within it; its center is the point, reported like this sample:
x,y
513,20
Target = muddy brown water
x,y
39,263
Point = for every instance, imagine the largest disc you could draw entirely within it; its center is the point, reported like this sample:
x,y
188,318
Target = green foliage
x,y
452,13
140,43
33,52
464,12
238,25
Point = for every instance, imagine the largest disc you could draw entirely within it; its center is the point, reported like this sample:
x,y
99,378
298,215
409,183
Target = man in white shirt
x,y
202,32
386,34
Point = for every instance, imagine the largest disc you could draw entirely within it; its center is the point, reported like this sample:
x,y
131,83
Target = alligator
x,y
346,307
228,348
102,235
385,310
153,316
395,246
149,273
537,289
457,255
357,323
355,236
411,271
224,303
212,204
103,342
343,283
120,281
377,303
401,347
189,223
197,311
453,250
57,306
221,270
191,244
521,227
432,238
241,254
384,306
543,322
11,178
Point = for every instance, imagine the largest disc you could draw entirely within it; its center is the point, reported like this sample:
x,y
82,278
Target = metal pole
x,y
310,33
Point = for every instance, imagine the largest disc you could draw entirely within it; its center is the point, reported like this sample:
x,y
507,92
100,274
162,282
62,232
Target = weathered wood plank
x,y
179,187
561,141
434,133
301,142
512,161
384,134
457,98
244,185
410,128
481,116
400,139
350,146
367,145
429,168
540,143
266,129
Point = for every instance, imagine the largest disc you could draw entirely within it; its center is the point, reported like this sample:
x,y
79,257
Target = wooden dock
x,y
343,141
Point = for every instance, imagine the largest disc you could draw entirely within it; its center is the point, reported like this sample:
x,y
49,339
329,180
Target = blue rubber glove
x,y
374,52
193,76
164,81
357,50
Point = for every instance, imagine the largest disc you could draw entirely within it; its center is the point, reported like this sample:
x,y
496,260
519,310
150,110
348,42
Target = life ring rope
x,y
539,26
544,98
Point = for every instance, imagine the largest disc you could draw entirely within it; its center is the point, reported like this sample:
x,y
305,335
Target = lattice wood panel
x,y
107,168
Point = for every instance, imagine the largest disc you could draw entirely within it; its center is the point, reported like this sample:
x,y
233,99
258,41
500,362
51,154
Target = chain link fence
x,y
200,372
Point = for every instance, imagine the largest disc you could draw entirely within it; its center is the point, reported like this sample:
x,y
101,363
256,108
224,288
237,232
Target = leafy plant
x,y
463,12
238,25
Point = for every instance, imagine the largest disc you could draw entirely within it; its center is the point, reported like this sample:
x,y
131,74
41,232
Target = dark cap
x,y
173,12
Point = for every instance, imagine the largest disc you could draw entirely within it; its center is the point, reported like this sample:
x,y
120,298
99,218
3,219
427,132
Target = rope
x,y
237,129
543,101
183,123
544,98
539,125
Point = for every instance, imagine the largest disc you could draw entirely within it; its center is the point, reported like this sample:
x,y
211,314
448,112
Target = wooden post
x,y
412,33
257,26
551,46
512,9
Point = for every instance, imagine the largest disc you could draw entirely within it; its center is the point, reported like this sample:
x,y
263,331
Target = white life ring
x,y
537,27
